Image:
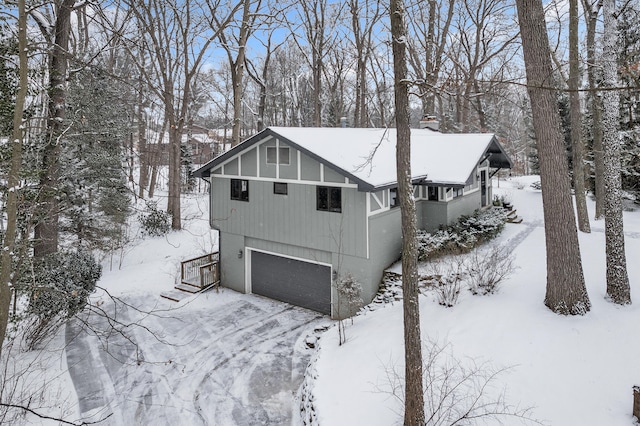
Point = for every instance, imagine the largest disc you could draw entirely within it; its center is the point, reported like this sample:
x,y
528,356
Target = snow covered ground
x,y
216,358
569,370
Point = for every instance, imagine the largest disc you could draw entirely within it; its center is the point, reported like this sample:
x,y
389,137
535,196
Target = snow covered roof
x,y
367,156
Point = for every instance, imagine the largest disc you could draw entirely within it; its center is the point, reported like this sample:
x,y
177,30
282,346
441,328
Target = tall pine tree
x,y
95,200
629,67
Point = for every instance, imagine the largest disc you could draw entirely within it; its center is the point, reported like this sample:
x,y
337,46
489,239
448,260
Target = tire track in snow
x,y
243,357
90,377
210,373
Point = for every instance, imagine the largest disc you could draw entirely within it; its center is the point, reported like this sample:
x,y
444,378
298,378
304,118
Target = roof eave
x,y
497,156
205,170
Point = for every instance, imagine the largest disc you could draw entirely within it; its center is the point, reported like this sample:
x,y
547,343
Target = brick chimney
x,y
430,122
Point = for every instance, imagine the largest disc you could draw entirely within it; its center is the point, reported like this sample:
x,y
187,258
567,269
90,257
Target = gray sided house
x,y
298,209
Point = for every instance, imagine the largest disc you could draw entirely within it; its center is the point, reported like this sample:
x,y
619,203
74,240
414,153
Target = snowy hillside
x,y
232,359
569,370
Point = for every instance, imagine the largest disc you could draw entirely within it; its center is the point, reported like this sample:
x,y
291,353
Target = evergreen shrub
x,y
57,287
461,237
155,222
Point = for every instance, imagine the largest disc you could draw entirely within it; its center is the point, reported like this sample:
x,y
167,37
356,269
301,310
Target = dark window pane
x,y
235,189
322,193
240,189
279,188
284,156
271,155
433,193
393,200
335,203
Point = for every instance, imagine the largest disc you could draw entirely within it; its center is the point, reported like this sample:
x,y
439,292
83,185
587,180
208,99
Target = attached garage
x,y
298,282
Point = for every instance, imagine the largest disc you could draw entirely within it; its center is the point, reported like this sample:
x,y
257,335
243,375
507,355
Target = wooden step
x,y
188,288
514,219
174,295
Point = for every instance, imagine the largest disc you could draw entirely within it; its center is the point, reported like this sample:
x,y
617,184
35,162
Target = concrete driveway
x,y
216,359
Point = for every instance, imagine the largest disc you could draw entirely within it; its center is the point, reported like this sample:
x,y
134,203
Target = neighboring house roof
x,y
367,156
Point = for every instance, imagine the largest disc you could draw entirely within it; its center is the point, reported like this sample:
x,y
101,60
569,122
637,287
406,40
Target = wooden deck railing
x,y
201,271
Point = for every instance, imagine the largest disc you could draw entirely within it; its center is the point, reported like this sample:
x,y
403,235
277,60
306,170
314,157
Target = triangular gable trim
x,y
205,171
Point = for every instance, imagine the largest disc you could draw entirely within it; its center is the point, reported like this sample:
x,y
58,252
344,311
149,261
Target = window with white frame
x,y
240,189
329,199
280,188
432,193
278,155
394,201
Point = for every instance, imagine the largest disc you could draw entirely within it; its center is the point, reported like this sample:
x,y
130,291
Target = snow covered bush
x,y
445,276
463,236
155,222
57,287
481,271
349,301
350,295
486,269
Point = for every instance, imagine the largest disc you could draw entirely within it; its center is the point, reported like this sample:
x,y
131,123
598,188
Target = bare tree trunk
x,y
237,65
154,160
364,18
175,140
142,142
591,18
176,59
313,19
154,173
426,58
617,278
262,79
598,157
428,100
566,292
360,85
46,230
413,395
482,116
576,121
262,102
13,177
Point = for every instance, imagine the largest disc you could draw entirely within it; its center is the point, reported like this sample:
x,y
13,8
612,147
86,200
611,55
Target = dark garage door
x,y
300,283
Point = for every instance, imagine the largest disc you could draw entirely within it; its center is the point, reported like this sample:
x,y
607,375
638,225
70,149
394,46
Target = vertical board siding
x,y
249,163
231,168
266,170
292,219
232,268
466,204
289,250
386,246
332,176
434,214
309,168
290,171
